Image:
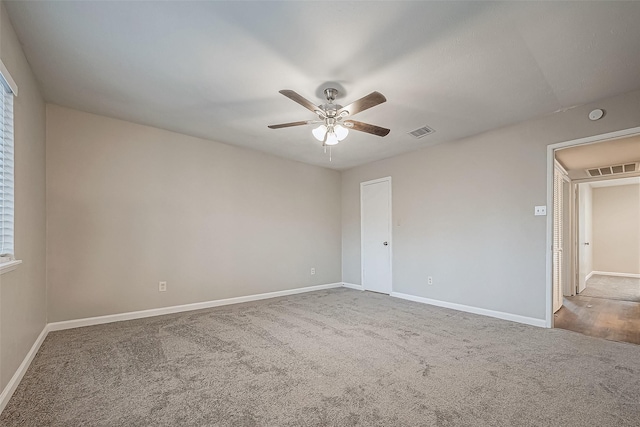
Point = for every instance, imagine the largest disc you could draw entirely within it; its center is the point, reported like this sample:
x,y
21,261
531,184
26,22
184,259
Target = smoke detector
x,y
596,114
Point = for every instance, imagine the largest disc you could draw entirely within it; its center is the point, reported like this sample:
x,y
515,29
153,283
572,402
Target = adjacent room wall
x,y
463,211
131,205
23,291
616,229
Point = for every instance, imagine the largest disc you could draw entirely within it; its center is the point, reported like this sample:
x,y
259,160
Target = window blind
x,y
6,169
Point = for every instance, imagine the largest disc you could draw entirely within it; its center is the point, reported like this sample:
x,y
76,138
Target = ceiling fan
x,y
335,120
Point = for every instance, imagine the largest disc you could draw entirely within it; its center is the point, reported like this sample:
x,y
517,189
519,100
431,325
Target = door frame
x,y
580,243
551,148
362,185
576,235
568,242
565,265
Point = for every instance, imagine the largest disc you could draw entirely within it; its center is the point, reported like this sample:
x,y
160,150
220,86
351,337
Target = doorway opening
x,y
595,236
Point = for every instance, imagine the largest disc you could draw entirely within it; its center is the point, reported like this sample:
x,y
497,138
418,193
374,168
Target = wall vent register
x,y
423,131
613,170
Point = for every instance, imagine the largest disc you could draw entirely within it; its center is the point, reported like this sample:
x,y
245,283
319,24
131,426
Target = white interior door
x,y
375,211
584,235
568,201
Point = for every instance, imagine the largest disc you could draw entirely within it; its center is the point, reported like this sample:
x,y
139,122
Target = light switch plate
x,y
540,211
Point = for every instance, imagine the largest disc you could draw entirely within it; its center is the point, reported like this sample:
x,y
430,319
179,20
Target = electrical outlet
x,y
429,280
162,287
313,271
540,211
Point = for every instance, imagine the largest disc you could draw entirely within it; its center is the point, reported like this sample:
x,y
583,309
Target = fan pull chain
x,y
325,150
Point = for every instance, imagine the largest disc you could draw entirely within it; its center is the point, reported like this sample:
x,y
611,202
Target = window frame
x,y
8,261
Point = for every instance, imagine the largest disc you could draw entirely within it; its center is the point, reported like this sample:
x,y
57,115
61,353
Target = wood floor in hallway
x,y
600,317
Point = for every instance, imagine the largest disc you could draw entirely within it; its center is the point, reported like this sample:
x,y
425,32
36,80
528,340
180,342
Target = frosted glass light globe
x,y
332,139
319,132
341,132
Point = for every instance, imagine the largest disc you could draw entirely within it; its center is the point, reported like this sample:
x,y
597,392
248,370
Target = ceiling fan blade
x,y
302,101
364,103
366,127
288,125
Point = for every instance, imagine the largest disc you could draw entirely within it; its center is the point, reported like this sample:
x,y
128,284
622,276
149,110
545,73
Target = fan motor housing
x,y
330,110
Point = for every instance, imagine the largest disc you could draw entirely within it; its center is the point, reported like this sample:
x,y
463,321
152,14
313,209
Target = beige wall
x,y
131,205
22,291
616,229
463,211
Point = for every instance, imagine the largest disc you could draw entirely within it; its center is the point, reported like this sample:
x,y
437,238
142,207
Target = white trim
x,y
599,179
8,391
376,181
11,387
561,168
575,231
588,276
596,138
8,266
620,181
362,184
7,78
550,167
475,310
99,320
610,273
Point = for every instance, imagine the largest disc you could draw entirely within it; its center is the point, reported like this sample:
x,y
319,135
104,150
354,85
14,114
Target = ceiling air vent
x,y
423,131
613,170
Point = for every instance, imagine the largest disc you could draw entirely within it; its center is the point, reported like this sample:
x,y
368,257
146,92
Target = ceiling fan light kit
x,y
330,136
333,118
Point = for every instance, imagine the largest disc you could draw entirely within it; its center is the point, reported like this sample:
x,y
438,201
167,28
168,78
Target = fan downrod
x,y
331,94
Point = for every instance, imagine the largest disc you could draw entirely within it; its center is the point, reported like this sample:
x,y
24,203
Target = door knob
x,y
385,243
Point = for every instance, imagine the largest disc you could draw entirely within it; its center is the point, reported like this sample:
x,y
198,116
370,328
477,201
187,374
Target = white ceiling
x,y
213,69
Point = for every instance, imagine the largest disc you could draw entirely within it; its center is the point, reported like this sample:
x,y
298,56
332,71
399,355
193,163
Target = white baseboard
x,y
99,320
8,391
11,387
609,273
475,310
69,324
588,276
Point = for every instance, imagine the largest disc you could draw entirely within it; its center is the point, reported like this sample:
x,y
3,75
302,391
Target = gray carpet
x,y
329,358
612,287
